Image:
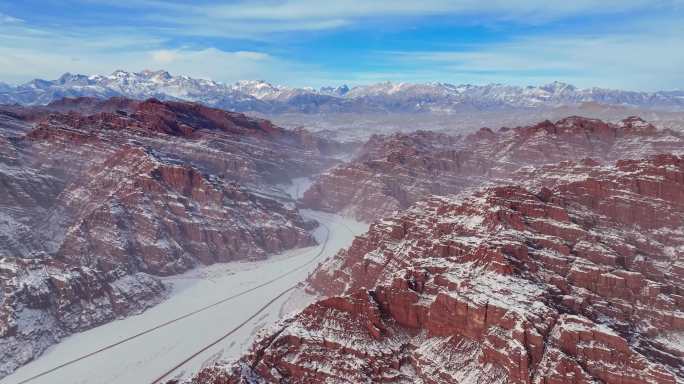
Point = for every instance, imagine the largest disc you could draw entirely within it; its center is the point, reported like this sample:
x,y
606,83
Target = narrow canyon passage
x,y
145,358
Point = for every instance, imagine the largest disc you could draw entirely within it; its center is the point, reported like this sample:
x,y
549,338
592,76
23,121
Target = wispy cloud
x,y
650,57
212,63
311,9
278,10
7,19
261,18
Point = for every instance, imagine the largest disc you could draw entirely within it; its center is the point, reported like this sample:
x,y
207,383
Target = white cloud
x,y
18,65
7,19
164,56
651,57
313,9
216,64
280,15
261,18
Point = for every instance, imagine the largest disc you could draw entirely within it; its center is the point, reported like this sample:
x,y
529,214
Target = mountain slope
x,y
577,283
100,197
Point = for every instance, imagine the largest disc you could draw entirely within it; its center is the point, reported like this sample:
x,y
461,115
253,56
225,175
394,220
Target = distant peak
x,y
339,91
634,119
69,77
557,86
159,74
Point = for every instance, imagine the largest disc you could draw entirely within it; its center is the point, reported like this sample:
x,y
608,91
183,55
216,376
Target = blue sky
x,y
629,44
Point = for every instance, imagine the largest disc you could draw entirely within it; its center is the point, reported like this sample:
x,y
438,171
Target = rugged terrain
x,y
393,171
101,196
354,114
576,278
260,96
548,253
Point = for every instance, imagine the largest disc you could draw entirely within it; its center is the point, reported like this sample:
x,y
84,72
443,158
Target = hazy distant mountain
x,y
260,96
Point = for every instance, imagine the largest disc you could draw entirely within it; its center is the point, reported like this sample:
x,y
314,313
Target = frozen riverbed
x,y
144,359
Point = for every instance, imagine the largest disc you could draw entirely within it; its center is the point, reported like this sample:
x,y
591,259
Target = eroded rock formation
x,y
392,172
578,281
101,196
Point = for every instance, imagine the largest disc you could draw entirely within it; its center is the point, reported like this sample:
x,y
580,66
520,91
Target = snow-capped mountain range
x,y
261,96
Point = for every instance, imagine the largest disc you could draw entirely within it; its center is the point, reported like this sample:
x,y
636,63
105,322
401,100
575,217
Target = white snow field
x,y
146,358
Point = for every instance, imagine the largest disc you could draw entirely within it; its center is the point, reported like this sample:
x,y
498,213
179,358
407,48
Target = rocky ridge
x,y
577,281
392,172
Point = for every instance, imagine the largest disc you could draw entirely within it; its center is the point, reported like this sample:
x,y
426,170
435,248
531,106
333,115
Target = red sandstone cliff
x,y
392,172
578,282
99,197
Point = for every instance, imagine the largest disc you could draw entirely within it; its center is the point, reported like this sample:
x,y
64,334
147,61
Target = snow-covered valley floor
x,y
145,358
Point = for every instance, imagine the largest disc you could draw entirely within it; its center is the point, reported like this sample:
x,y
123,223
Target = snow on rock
x,y
98,196
46,300
574,283
258,95
392,172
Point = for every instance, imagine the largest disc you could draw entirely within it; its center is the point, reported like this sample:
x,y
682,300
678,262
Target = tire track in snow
x,y
220,339
255,314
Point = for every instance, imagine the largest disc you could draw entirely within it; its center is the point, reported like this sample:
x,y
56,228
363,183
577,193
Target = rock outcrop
x,y
392,172
147,215
45,300
579,280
